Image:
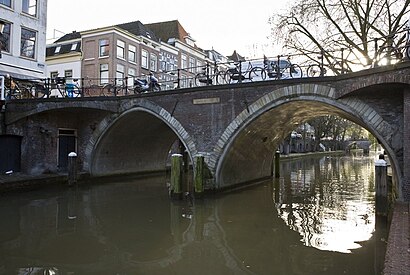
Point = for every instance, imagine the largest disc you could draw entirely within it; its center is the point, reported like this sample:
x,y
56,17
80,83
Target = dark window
x,y
28,43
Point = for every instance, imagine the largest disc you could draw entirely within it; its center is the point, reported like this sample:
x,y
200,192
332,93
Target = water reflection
x,y
131,227
329,202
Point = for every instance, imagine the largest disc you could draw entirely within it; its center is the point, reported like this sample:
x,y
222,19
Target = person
x,y
11,85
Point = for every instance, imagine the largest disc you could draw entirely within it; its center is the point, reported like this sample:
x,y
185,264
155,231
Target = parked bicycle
x,y
316,69
205,77
251,73
282,68
118,87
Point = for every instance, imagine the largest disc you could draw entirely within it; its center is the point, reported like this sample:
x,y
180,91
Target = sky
x,y
224,25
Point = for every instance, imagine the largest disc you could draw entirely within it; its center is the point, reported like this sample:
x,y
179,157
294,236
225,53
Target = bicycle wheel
x,y
220,78
198,79
407,49
296,71
39,91
313,71
107,90
228,77
257,74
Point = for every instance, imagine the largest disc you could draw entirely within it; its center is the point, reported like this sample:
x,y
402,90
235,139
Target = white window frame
x,y
30,7
120,49
144,59
104,73
132,53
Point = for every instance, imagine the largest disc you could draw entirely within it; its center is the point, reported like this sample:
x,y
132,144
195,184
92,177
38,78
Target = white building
x,y
24,38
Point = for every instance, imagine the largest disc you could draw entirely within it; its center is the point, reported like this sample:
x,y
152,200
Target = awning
x,y
20,73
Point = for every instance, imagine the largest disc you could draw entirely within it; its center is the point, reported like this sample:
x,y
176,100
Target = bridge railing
x,y
386,50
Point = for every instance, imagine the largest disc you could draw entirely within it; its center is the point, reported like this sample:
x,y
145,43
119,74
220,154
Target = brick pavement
x,y
397,259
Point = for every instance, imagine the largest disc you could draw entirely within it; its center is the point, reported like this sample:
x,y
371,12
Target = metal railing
x,y
314,64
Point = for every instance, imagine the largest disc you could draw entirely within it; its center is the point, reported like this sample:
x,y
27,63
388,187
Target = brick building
x,y
120,53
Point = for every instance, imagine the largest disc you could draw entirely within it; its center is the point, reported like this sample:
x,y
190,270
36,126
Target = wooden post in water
x,y
381,186
277,164
176,176
199,176
72,168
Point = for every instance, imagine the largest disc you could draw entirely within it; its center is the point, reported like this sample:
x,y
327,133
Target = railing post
x,y
278,68
343,61
82,86
207,73
376,49
179,78
321,63
47,85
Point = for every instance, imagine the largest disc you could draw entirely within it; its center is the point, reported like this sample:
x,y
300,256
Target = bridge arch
x,y
136,139
252,137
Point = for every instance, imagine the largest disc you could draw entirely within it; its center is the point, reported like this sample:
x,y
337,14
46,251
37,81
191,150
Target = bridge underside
x,y
251,154
136,142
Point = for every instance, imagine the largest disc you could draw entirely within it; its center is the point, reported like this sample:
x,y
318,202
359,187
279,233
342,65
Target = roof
x,y
236,57
64,48
139,29
169,29
69,36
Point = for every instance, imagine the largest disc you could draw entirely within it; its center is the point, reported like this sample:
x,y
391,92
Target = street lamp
x,y
2,24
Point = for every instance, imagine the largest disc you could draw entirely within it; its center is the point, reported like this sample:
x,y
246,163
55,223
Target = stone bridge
x,y
237,127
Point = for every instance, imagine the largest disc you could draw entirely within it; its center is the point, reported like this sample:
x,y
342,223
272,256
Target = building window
x,y
120,49
57,50
144,59
104,73
53,75
199,66
184,61
153,62
192,64
131,77
104,45
74,46
30,7
6,3
132,53
6,38
68,74
28,43
119,74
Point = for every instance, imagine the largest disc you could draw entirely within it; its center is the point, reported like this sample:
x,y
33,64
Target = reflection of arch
x,y
114,126
285,108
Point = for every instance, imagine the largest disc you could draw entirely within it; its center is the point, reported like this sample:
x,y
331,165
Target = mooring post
x,y
176,176
277,164
381,186
199,176
72,168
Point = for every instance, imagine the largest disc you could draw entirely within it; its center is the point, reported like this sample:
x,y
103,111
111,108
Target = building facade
x,y
118,54
24,38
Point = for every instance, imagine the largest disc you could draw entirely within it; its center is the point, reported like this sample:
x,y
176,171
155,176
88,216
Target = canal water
x,y
317,219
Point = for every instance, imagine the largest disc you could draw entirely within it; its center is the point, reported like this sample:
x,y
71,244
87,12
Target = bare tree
x,y
341,30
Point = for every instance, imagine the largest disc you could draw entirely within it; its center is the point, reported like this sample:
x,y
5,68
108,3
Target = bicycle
x,y
118,88
204,77
251,73
282,69
316,69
